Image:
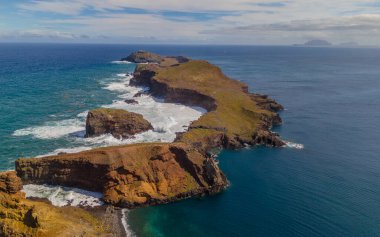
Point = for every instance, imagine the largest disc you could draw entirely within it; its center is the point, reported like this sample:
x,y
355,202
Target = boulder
x,y
131,101
119,123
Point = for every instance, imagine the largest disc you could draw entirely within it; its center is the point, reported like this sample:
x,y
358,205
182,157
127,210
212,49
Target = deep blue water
x,y
332,101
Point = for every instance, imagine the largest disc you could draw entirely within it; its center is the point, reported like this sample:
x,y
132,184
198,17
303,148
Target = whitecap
x,y
167,119
121,62
121,85
83,114
124,221
53,129
63,196
294,145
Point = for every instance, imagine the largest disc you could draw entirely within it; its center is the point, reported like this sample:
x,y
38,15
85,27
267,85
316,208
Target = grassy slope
x,y
236,112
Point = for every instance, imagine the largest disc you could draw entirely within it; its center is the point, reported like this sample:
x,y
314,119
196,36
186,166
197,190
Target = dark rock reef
x,y
120,123
131,101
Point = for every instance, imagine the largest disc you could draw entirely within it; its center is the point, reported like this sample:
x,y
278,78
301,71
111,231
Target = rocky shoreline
x,y
147,174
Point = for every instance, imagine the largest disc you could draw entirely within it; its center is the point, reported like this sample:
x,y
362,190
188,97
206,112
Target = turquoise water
x,y
332,101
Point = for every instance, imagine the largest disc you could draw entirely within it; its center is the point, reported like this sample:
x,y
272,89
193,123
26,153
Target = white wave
x,y
66,150
62,196
121,85
167,119
83,114
53,129
124,218
121,62
124,75
294,145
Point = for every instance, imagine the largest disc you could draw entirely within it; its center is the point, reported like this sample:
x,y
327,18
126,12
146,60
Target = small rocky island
x,y
145,174
120,123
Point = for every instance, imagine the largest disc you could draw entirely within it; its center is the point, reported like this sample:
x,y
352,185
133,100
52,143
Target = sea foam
x,y
166,118
124,219
62,196
121,62
53,129
294,145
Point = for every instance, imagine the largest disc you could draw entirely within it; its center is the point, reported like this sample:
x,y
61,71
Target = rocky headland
x,y
155,173
235,117
131,175
147,174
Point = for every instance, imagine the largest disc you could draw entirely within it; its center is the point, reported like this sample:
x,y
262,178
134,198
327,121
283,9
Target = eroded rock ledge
x,y
149,174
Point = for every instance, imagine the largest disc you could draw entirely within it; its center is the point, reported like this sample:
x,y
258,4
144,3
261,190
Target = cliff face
x,y
24,218
119,123
132,175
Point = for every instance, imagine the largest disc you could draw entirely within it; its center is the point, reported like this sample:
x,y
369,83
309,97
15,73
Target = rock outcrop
x,y
131,101
143,57
9,182
119,123
27,218
132,175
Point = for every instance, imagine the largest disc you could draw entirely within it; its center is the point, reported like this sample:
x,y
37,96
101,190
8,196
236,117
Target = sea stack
x,y
120,123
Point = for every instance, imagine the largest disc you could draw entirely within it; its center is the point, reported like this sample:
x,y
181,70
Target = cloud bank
x,y
195,21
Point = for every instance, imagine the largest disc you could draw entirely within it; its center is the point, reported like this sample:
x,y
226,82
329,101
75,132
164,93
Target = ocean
x,y
327,185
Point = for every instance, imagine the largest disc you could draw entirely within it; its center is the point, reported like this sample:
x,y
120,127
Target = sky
x,y
249,22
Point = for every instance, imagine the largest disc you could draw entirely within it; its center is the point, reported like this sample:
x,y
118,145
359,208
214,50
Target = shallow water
x,y
330,187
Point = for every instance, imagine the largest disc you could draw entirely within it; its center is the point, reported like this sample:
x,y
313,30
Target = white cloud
x,y
41,34
73,7
242,21
364,28
61,7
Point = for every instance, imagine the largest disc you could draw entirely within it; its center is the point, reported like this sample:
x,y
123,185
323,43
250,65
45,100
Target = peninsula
x,y
146,174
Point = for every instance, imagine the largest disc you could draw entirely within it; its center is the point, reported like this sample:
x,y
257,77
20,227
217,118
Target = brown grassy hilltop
x,y
235,117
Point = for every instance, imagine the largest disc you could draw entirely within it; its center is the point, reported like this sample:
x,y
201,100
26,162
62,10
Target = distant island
x,y
325,43
145,174
315,43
